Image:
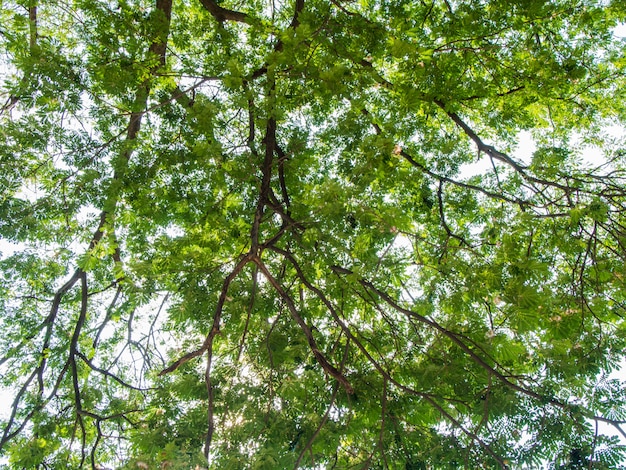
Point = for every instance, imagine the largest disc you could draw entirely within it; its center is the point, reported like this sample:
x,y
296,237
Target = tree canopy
x,y
253,232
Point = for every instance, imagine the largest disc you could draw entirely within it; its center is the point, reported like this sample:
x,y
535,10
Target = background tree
x,y
246,231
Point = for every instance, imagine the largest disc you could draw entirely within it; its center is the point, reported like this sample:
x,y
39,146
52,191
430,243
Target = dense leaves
x,y
313,234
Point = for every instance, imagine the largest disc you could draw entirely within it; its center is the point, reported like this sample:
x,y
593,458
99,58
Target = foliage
x,y
249,230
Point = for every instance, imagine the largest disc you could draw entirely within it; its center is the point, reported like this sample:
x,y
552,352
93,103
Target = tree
x,y
246,231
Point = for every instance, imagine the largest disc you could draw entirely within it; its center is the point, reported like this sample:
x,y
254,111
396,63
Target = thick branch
x,y
266,179
222,14
74,342
32,19
282,157
295,21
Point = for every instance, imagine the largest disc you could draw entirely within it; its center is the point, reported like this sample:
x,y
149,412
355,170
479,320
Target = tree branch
x,y
215,329
496,154
455,338
319,356
222,14
324,419
381,370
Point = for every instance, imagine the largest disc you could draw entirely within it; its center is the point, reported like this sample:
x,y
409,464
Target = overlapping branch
x,y
217,317
377,366
306,329
491,369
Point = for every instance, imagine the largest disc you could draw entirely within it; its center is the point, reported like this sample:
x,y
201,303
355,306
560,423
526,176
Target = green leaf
x,y
310,234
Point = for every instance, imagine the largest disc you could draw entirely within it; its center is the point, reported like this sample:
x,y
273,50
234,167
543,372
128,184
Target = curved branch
x,y
496,154
455,338
441,178
215,328
106,373
308,333
442,216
